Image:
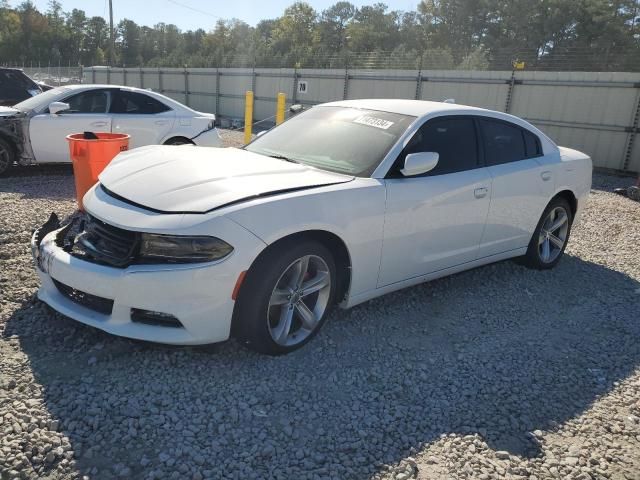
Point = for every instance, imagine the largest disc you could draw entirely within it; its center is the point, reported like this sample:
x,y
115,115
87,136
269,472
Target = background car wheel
x,y
285,298
7,156
178,141
551,236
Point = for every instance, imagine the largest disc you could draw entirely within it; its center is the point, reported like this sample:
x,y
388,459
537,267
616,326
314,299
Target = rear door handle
x,y
546,175
161,122
99,124
481,192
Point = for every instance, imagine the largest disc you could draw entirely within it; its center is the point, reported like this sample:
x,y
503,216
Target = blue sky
x,y
192,14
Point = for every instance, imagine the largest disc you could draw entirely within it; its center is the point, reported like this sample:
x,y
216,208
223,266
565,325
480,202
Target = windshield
x,y
40,100
339,139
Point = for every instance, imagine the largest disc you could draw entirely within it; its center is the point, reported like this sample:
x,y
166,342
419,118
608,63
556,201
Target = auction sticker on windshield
x,y
374,122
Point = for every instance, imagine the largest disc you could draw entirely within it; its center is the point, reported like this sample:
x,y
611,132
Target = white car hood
x,y
189,179
8,111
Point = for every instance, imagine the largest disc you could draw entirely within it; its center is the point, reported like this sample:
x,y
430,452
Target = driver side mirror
x,y
419,163
58,107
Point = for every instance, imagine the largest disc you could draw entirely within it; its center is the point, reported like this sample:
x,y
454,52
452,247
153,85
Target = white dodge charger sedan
x,y
35,130
343,203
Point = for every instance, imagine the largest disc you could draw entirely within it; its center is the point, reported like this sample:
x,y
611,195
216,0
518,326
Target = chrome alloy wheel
x,y
299,300
553,235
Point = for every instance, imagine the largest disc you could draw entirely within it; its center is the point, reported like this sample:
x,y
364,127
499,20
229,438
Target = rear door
x,y
48,132
435,221
146,119
521,185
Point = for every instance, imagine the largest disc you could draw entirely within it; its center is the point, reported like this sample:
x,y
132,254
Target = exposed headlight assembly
x,y
182,249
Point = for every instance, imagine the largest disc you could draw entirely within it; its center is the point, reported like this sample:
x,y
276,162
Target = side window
x,y
92,101
503,142
136,104
532,144
454,139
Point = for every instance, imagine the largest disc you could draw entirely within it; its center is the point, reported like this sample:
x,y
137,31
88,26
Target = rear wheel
x,y
551,236
285,298
7,156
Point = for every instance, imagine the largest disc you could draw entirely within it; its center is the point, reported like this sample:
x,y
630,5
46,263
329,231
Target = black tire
x,y
178,141
253,316
7,156
534,257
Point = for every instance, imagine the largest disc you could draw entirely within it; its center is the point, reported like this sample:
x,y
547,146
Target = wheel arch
x,y
177,137
570,197
330,240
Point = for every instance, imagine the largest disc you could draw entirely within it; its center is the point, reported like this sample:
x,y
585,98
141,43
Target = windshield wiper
x,y
282,157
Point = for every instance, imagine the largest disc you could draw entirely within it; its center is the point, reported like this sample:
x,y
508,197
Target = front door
x,y
436,221
48,132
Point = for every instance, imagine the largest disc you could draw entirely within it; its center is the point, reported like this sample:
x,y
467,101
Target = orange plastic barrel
x,y
90,157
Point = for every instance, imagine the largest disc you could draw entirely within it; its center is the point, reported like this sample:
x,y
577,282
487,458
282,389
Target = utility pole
x,y
112,48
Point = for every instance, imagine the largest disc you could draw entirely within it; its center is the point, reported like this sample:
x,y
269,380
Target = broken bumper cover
x,y
198,296
208,138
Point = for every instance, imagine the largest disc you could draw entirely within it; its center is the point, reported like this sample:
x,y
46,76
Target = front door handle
x,y
99,124
161,122
481,192
546,175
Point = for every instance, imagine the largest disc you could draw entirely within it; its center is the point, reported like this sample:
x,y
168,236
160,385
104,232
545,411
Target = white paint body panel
x,y
196,179
48,133
398,232
432,223
144,129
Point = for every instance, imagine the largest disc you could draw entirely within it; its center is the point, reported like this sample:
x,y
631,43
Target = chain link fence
x,y
558,59
54,75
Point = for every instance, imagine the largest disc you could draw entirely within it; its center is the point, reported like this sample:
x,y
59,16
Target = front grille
x,y
105,244
92,302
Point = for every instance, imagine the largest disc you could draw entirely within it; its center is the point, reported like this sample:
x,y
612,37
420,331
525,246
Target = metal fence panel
x,y
268,83
321,85
382,84
480,89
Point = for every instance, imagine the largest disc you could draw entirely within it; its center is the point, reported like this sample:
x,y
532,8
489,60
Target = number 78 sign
x,y
303,86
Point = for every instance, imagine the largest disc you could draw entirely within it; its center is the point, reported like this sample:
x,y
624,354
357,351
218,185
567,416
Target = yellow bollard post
x,y
282,100
248,116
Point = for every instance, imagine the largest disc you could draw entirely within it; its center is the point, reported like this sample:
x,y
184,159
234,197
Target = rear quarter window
x,y
505,142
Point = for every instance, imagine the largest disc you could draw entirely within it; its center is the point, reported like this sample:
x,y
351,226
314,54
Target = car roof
x,y
415,108
87,86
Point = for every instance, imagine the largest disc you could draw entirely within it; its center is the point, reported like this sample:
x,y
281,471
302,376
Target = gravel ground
x,y
500,372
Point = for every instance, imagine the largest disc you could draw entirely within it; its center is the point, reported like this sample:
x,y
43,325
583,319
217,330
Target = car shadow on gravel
x,y
20,171
499,351
56,185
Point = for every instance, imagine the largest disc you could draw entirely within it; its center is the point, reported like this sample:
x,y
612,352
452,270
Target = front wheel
x,y
285,298
550,236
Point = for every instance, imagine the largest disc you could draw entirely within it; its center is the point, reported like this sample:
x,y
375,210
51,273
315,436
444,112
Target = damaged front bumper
x,y
177,304
14,127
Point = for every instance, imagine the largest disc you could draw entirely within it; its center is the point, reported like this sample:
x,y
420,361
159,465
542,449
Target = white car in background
x,y
35,130
340,204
